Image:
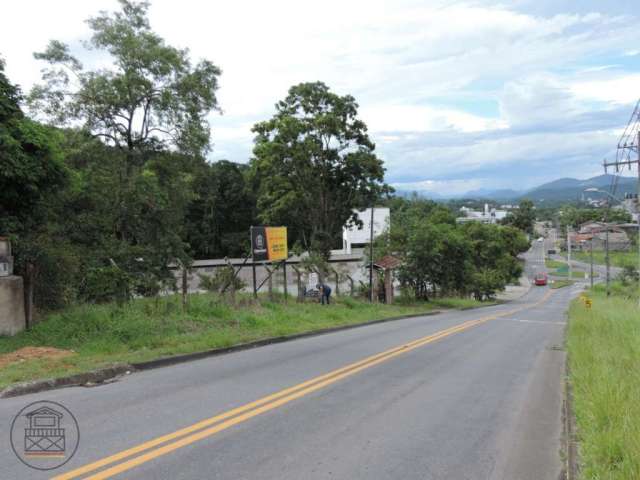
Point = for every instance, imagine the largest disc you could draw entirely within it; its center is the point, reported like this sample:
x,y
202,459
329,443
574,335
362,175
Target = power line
x,y
627,155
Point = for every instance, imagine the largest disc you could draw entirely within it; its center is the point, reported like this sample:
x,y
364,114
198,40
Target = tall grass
x,y
604,358
617,259
151,328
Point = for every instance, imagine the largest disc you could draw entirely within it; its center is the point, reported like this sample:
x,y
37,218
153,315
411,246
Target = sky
x,y
458,96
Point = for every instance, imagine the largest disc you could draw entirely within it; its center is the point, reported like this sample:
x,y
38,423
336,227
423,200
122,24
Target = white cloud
x,y
614,89
416,118
440,187
418,69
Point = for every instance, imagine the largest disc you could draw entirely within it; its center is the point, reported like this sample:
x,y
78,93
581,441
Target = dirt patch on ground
x,y
33,353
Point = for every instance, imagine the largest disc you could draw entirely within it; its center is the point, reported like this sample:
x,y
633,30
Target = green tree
x,y
573,217
436,260
153,96
31,164
149,111
155,204
32,172
523,218
223,210
315,163
494,251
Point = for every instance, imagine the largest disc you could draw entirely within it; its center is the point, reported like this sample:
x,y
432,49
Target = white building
x,y
354,236
486,216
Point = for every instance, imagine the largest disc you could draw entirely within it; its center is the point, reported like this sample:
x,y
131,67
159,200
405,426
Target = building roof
x,y
388,262
582,237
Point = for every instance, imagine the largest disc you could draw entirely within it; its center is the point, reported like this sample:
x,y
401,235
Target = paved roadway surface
x,y
480,402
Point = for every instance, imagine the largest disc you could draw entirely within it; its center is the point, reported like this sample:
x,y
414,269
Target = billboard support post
x,y
284,277
255,289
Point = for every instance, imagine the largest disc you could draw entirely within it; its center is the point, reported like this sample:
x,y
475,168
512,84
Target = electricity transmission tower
x,y
628,155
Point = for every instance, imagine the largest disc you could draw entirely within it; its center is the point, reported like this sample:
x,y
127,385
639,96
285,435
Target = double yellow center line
x,y
168,443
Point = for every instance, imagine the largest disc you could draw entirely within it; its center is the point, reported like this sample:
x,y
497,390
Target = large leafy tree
x,y
153,96
440,257
315,163
523,218
219,217
30,162
149,111
32,172
436,260
572,217
494,250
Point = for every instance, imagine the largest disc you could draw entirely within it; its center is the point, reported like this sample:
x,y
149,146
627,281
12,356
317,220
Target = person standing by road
x,y
325,293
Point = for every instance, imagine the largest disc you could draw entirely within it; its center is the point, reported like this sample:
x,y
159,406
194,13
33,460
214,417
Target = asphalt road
x,y
462,395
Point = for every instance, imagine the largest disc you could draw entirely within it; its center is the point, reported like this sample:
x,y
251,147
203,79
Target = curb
x,y
94,377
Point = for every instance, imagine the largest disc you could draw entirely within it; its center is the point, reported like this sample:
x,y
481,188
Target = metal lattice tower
x,y
628,155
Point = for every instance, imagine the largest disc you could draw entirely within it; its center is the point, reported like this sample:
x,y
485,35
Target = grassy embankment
x,y
561,284
560,269
604,357
145,329
617,259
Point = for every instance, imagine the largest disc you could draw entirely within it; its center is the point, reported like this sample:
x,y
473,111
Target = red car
x,y
541,279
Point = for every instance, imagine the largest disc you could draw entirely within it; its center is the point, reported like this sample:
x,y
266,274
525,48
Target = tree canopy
x,y
573,217
31,164
523,218
440,257
152,97
315,164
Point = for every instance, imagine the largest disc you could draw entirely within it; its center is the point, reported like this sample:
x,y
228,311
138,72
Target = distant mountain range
x,y
557,191
571,189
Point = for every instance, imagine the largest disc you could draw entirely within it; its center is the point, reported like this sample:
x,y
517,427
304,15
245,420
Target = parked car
x,y
540,279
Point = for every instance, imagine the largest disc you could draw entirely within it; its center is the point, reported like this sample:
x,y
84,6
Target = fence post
x,y
284,277
185,288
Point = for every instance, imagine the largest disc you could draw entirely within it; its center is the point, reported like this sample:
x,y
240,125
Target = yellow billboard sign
x,y
277,243
269,244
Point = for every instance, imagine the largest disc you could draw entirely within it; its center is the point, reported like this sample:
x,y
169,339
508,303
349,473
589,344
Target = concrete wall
x,y
12,318
354,268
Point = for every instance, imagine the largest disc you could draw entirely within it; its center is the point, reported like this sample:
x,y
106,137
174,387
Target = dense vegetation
x,y
573,217
443,258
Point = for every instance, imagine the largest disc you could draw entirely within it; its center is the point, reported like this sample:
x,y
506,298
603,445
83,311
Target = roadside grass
x,y
604,357
574,274
561,269
617,259
146,329
554,264
561,284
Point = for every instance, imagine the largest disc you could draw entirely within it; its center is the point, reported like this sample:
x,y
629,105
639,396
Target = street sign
x,y
269,244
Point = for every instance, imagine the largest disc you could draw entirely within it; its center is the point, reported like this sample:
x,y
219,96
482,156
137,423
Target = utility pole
x,y
591,252
606,256
371,257
629,144
569,253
